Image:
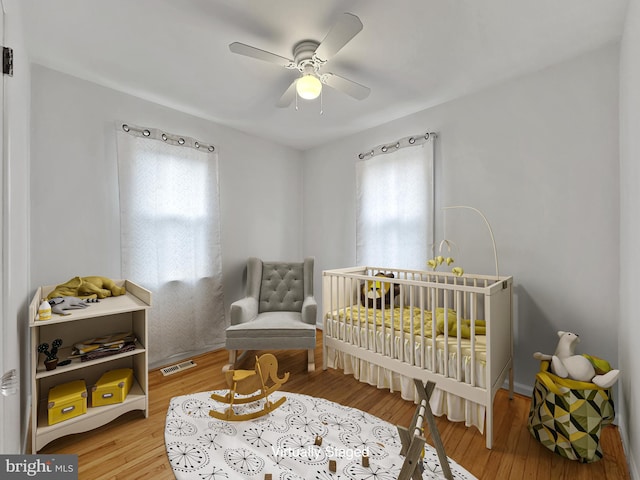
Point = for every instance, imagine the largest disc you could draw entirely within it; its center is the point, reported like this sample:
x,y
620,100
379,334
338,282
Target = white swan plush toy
x,y
566,364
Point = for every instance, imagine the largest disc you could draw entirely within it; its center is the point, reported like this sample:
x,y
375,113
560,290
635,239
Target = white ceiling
x,y
411,53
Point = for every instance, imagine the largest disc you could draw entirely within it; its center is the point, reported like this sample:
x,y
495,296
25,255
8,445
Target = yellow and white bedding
x,y
355,325
404,317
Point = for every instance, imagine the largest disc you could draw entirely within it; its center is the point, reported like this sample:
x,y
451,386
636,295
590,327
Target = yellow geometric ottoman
x,y
567,416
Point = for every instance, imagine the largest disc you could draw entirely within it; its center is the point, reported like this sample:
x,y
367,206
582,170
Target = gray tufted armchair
x,y
277,313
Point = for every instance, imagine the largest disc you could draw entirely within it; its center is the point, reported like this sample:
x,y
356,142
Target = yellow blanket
x,y
406,317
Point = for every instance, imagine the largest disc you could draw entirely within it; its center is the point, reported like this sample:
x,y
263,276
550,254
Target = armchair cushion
x,y
280,330
282,287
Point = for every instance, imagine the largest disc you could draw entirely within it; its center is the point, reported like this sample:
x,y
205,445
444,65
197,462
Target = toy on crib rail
x,y
88,287
246,382
378,292
565,363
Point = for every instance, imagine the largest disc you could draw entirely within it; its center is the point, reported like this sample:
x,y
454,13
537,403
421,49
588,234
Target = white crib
x,y
391,341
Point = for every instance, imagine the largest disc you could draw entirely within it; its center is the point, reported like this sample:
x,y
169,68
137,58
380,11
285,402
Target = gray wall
x,y
74,188
630,236
539,156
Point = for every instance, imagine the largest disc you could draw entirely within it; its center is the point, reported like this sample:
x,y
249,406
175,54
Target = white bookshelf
x,y
124,313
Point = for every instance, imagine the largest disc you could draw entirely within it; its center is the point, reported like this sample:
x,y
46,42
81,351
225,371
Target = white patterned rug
x,y
282,443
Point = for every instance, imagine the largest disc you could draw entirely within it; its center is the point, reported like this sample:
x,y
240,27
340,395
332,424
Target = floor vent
x,y
178,367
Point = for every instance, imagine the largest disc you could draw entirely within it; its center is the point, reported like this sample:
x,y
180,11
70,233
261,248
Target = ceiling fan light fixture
x,y
308,87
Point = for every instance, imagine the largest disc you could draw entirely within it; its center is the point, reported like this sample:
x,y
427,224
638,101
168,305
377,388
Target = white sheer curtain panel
x,y
395,205
170,239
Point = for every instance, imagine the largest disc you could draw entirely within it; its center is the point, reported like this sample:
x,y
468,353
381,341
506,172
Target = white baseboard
x,y
633,470
519,388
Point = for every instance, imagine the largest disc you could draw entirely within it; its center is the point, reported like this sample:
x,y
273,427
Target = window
x,y
394,226
170,240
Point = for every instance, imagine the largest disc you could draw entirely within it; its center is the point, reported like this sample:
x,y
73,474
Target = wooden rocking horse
x,y
246,382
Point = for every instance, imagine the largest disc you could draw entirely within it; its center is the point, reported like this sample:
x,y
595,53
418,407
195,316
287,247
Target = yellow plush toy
x,y
87,287
452,324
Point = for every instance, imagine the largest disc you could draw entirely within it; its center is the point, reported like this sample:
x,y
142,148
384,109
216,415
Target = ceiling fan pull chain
x,y
321,110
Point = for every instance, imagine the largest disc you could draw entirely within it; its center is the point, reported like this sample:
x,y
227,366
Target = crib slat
x,y
375,326
474,309
351,330
423,333
333,291
366,321
339,306
393,328
459,344
434,348
402,332
412,333
445,305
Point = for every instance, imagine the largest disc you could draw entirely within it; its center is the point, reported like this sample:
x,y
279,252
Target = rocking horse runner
x,y
246,382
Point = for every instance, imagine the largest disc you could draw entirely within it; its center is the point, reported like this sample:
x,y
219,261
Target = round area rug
x,y
283,442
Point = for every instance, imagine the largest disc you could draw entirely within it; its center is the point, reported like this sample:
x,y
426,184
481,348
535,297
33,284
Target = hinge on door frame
x,y
7,61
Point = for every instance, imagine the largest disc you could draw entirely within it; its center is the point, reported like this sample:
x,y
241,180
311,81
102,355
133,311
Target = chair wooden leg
x,y
233,358
311,360
236,360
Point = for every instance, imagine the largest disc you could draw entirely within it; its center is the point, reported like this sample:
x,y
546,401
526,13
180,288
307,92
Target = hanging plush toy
x,y
584,368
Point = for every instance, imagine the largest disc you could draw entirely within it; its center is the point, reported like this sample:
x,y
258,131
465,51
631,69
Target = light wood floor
x,y
132,447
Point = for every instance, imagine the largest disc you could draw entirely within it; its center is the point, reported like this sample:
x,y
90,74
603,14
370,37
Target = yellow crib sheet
x,y
406,317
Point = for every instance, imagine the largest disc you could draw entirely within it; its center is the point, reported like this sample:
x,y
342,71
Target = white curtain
x,y
395,205
170,240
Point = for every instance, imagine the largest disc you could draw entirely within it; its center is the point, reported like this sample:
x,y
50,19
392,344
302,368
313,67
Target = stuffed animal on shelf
x,y
88,287
60,304
566,364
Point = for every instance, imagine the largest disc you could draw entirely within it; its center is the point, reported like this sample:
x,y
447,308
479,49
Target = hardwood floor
x,y
132,447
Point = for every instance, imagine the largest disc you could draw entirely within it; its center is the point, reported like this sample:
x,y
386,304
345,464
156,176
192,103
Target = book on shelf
x,y
102,346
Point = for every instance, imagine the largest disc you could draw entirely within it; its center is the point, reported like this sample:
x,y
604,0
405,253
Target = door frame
x,y
11,441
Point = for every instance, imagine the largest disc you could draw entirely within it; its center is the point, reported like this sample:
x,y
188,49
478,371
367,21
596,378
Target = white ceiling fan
x,y
309,57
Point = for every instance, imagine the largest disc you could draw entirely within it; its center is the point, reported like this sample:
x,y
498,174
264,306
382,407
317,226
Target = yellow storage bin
x,y
112,387
66,401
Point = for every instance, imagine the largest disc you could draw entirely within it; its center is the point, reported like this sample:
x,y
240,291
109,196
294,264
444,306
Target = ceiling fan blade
x,y
347,27
249,51
288,96
351,88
